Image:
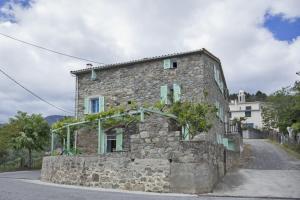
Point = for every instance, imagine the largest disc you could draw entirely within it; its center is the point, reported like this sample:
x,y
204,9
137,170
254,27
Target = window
x,y
248,107
170,95
169,64
217,104
111,143
174,65
247,113
218,78
249,125
94,105
230,115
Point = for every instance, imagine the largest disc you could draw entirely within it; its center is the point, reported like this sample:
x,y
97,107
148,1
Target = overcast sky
x,y
257,41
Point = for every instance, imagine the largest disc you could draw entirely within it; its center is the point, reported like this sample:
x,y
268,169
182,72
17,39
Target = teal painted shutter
x,y
215,72
93,75
185,132
101,104
225,142
119,145
231,145
177,92
164,94
102,142
167,63
86,105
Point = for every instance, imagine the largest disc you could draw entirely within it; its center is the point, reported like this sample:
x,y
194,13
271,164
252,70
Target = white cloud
x,y
113,31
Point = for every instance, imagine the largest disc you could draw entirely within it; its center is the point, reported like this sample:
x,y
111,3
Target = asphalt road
x,y
271,173
25,186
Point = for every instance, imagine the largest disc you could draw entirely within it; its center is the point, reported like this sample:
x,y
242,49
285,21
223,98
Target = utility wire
x,y
32,93
49,50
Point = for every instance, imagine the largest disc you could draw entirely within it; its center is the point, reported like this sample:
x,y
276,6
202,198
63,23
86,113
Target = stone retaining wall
x,y
195,167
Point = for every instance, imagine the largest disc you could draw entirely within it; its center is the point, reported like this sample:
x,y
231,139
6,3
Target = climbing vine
x,y
195,116
123,119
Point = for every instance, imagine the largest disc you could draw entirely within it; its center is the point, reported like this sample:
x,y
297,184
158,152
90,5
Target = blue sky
x,y
283,29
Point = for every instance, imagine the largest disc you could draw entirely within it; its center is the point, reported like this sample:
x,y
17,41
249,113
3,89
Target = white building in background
x,y
251,111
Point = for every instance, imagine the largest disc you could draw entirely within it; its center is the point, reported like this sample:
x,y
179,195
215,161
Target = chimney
x,y
89,65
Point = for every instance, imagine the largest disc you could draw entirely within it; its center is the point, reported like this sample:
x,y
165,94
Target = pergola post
x,y
100,138
142,114
52,142
68,138
75,142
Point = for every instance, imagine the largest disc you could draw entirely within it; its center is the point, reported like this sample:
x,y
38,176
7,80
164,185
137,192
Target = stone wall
x,y
109,171
195,167
232,160
141,82
156,160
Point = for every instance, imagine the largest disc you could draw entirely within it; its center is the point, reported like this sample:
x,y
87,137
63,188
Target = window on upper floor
x,y
170,63
218,78
247,113
248,107
170,94
93,104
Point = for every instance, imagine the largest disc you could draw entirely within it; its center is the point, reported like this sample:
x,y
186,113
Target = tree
x,y
194,115
283,109
258,96
30,132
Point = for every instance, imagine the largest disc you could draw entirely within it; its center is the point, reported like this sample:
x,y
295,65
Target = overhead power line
x,y
49,50
34,94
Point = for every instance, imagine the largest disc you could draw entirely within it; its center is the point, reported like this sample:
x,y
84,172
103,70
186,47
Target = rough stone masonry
x,y
154,156
157,161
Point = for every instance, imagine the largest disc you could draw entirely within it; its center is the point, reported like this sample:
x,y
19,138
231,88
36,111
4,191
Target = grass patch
x,y
293,150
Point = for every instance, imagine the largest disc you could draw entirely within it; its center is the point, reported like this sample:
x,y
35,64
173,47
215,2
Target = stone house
x,y
154,154
189,76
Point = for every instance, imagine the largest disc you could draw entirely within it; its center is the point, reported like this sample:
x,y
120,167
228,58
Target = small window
x,y
174,65
129,102
230,115
248,107
247,113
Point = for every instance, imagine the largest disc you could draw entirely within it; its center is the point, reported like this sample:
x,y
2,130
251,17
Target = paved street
x,y
270,173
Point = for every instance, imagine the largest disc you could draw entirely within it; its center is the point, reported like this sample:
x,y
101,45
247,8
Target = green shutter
x,y
219,139
101,104
86,105
93,75
215,72
164,94
185,132
231,145
177,92
102,141
119,145
167,63
225,142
